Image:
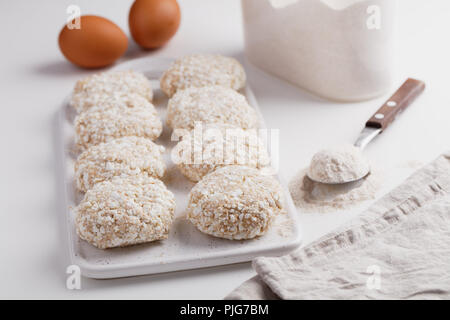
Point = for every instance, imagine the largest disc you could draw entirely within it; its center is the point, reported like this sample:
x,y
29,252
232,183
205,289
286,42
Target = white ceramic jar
x,y
344,50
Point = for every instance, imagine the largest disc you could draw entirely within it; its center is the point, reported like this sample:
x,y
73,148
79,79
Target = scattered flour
x,y
310,196
411,164
283,225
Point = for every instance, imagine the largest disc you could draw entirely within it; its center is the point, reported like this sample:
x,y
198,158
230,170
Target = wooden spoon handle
x,y
399,101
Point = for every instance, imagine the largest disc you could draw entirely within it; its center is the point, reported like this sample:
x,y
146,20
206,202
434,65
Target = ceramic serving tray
x,y
186,247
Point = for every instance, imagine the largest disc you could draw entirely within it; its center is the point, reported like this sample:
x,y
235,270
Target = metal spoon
x,y
388,112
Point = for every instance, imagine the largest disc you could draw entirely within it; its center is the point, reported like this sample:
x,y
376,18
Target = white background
x,y
34,79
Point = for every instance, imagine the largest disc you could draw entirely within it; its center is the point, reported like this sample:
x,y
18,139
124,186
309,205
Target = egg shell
x,y
154,22
97,43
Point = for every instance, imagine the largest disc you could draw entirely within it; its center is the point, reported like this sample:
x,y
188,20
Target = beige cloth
x,y
397,249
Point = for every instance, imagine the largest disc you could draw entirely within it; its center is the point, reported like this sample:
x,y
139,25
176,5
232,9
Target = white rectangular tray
x,y
186,247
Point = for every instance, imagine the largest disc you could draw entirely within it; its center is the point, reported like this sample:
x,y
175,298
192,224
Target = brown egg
x,y
97,43
154,22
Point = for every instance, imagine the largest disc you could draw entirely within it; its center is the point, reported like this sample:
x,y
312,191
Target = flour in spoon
x,y
338,165
335,165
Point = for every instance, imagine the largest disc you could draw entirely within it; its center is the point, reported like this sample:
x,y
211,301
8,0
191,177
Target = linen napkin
x,y
398,249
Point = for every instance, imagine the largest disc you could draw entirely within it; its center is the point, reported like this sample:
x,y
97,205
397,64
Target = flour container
x,y
344,50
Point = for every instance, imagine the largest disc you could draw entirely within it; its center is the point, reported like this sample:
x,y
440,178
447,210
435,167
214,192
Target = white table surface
x,y
34,78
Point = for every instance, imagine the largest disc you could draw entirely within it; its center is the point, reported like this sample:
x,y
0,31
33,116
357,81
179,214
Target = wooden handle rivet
x,y
391,103
398,102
